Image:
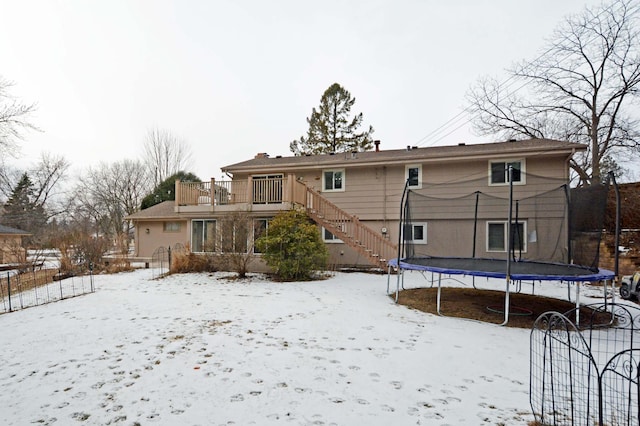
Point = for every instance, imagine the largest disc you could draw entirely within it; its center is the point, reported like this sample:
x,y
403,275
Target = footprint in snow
x,y
237,398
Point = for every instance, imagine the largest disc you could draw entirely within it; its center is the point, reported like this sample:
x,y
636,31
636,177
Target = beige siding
x,y
11,250
373,193
148,242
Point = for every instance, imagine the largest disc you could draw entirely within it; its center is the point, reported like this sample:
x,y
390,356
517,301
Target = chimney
x,y
377,144
261,155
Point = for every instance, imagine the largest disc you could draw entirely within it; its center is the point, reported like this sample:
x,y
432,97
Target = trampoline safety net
x,y
542,220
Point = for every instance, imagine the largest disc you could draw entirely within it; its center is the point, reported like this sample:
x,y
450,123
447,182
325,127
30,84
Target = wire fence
x,y
38,287
161,259
585,369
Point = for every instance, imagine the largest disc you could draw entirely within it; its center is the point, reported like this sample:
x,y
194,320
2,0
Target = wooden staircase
x,y
372,245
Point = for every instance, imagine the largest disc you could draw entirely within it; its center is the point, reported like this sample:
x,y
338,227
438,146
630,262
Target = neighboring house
x,y
354,197
11,249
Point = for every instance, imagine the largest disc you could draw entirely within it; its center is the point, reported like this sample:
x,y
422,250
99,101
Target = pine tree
x,y
165,191
21,210
330,127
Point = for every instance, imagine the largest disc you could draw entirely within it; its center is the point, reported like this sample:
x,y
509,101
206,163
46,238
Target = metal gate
x,y
587,373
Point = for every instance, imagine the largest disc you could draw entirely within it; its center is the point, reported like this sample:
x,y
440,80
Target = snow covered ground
x,y
198,349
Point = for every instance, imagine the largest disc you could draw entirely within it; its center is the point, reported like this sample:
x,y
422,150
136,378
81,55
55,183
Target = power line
x,y
463,117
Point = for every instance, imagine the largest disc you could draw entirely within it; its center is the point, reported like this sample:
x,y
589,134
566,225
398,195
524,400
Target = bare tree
x,y
165,154
14,119
48,177
110,192
9,177
581,89
235,243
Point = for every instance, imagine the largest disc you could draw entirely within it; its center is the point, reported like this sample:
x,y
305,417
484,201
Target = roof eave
x,y
425,158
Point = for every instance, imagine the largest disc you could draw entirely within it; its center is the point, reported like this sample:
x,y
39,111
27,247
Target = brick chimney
x,y
377,144
261,155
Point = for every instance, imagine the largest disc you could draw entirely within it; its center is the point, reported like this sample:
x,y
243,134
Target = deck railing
x,y
348,228
268,190
279,190
260,190
214,192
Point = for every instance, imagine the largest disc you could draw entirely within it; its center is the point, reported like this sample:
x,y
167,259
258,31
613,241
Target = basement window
x,y
497,236
415,233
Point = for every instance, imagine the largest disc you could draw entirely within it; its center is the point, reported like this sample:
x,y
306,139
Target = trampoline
x,y
497,268
549,233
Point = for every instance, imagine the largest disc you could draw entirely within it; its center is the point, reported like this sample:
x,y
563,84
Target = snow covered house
x,y
354,197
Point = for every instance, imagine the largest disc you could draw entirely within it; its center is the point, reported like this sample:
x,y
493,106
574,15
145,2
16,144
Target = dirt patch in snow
x,y
483,305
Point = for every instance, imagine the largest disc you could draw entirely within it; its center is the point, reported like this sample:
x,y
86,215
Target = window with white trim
x,y
260,228
415,233
499,172
497,236
333,180
171,226
413,173
203,235
328,237
235,235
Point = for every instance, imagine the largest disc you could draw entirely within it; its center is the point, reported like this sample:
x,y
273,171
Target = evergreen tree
x,y
21,210
331,129
166,190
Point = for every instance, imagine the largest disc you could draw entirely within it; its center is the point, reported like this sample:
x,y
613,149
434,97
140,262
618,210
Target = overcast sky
x,y
234,78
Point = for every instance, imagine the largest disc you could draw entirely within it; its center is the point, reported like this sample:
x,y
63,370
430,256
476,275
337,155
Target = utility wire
x,y
464,117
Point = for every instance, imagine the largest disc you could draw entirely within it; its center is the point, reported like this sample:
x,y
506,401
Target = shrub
x,y
191,262
292,246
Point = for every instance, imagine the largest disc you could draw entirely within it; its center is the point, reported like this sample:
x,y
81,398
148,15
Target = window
x,y
260,228
333,180
203,236
171,226
415,233
234,233
328,237
497,236
499,172
413,174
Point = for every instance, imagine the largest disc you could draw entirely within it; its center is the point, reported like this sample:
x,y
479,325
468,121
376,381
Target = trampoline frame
x,y
402,264
602,275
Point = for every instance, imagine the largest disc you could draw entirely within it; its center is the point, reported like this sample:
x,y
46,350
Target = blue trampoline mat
x,y
497,268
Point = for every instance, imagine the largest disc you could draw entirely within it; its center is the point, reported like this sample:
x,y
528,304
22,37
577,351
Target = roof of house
x,y
7,230
162,210
262,162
